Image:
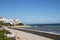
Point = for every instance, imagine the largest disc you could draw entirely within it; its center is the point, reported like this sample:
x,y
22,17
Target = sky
x,y
31,11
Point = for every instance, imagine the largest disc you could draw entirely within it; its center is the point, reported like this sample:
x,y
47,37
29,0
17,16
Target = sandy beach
x,y
29,36
20,35
22,26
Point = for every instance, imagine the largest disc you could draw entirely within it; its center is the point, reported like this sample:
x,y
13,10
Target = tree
x,y
1,23
7,24
19,24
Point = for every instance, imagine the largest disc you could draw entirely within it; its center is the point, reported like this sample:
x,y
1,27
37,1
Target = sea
x,y
55,28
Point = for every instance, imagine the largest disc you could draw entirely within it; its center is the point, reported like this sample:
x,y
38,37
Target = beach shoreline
x,y
40,33
21,35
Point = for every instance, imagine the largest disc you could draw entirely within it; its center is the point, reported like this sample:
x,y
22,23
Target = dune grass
x,y
2,36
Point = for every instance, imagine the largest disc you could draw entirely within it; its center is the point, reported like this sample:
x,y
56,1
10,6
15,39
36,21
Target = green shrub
x,y
1,23
7,24
2,36
19,24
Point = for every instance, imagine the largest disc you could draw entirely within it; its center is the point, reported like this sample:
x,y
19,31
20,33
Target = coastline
x,y
29,36
21,35
40,33
22,26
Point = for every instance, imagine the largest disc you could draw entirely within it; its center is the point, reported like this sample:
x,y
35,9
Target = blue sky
x,y
31,11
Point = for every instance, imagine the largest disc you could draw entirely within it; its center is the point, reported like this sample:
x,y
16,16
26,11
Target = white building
x,y
17,21
11,21
3,19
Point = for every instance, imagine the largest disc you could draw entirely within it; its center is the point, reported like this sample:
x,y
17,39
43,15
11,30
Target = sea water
x,y
55,28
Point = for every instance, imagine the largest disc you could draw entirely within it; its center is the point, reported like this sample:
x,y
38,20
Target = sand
x,y
22,26
20,35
